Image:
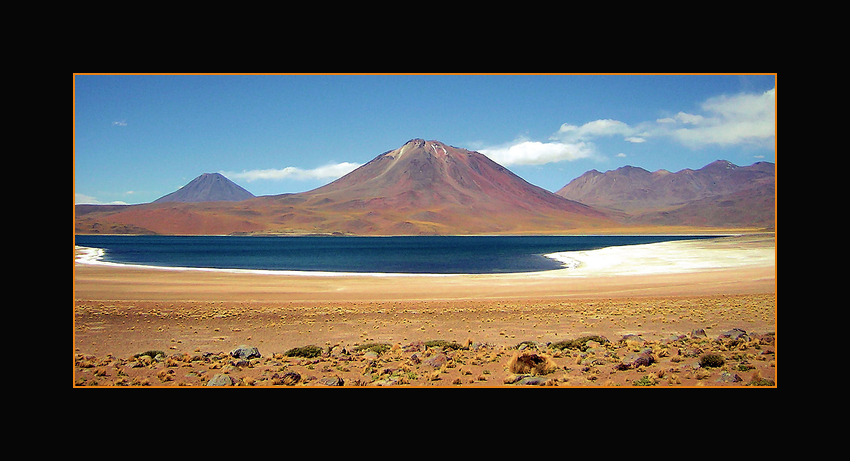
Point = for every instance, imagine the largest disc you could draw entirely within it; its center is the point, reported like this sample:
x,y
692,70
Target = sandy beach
x,y
648,294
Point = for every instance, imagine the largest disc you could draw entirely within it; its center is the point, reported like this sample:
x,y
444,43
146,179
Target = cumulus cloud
x,y
726,121
522,152
569,143
331,171
723,121
596,128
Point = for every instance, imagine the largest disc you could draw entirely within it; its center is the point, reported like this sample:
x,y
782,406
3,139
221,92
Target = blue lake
x,y
415,255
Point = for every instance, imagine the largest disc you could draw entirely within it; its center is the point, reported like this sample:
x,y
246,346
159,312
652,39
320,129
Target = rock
x,y
532,381
698,333
290,378
637,359
418,346
633,338
726,377
332,381
437,360
415,359
245,352
735,334
220,380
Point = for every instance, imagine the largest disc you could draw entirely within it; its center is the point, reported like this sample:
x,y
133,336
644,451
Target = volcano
x,y
423,187
208,187
433,188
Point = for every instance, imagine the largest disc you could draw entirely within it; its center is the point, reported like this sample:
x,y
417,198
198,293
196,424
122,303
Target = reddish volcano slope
x,y
423,187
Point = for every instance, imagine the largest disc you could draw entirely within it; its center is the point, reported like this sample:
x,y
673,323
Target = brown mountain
x,y
208,187
423,187
721,194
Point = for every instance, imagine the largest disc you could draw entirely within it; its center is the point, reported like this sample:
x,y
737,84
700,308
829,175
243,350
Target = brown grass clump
x,y
531,363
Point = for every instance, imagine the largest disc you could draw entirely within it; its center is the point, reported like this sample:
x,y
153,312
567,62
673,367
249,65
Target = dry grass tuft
x,y
531,363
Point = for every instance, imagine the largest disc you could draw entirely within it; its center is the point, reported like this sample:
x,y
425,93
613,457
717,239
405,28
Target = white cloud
x,y
523,152
119,123
332,171
620,155
606,127
82,199
727,121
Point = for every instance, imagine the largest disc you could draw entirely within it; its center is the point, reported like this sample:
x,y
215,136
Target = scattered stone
x,y
698,333
245,352
331,381
437,360
726,377
735,334
532,381
634,360
220,380
290,378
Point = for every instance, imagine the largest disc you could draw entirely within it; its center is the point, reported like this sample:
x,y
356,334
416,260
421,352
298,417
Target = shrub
x,y
711,361
531,363
306,351
378,348
152,354
442,343
645,381
580,343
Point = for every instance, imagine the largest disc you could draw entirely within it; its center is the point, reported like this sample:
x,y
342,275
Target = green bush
x,y
645,381
711,361
306,351
442,343
580,343
378,348
152,354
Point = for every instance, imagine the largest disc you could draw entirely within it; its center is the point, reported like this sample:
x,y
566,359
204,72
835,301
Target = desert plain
x,y
690,313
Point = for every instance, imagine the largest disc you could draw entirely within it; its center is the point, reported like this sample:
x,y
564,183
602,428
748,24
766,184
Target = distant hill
x,y
428,187
422,187
208,187
721,194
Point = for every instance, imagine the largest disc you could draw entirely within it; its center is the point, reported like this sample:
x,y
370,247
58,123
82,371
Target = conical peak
x,y
433,147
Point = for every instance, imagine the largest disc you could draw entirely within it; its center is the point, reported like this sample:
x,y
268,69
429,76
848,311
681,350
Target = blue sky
x,y
139,137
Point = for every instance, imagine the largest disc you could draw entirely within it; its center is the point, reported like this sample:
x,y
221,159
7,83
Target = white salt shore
x,y
669,257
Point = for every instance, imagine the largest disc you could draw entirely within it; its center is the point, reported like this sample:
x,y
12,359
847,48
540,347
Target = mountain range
x,y
428,187
721,194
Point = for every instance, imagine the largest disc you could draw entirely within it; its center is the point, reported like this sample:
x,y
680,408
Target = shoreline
x,y
622,256
731,265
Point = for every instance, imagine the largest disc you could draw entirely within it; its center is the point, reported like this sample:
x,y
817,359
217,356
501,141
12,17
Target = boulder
x,y
532,381
220,380
637,359
245,352
331,381
735,334
726,377
698,333
290,378
437,360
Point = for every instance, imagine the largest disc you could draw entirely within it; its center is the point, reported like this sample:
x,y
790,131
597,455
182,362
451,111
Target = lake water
x,y
413,255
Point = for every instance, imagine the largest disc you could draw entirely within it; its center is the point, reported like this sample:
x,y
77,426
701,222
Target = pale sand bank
x,y
732,265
